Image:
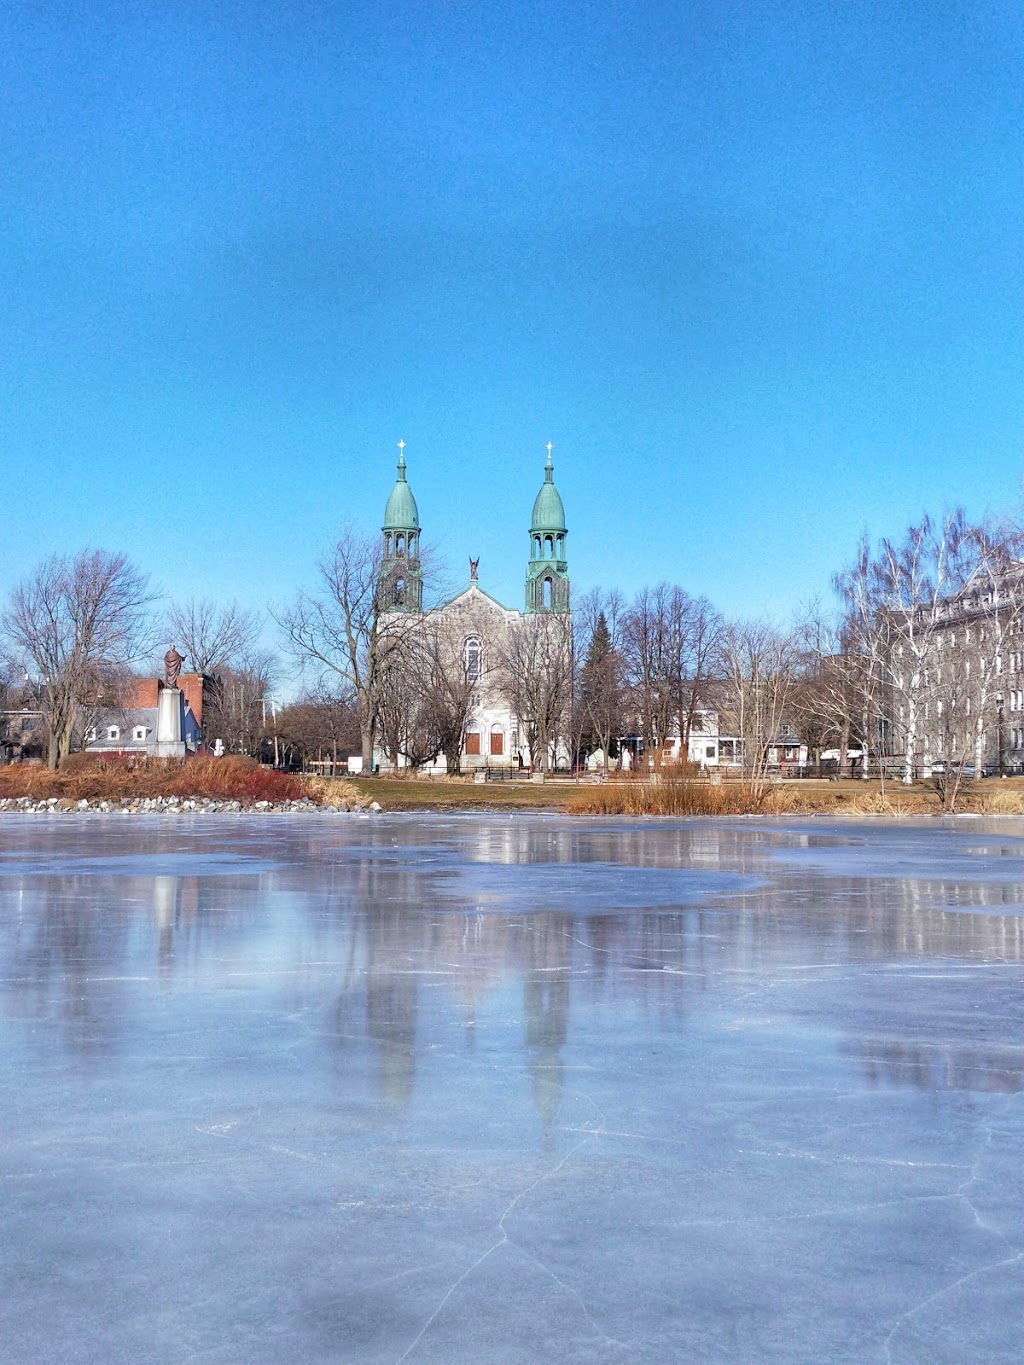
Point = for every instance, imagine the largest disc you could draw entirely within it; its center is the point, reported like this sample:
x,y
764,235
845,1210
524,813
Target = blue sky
x,y
754,268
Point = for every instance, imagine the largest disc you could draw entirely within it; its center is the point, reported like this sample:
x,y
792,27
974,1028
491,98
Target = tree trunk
x,y
865,770
453,758
367,732
979,739
844,748
911,740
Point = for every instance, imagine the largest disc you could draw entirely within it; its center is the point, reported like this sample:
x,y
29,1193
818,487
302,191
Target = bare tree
x,y
994,602
863,668
212,636
241,708
901,600
344,628
828,696
672,646
537,669
319,726
77,622
760,665
427,694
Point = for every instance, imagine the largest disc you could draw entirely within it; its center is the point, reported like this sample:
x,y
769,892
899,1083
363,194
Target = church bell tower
x,y
547,574
401,584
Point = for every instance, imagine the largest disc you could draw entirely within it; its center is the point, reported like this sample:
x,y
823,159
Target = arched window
x,y
412,547
399,546
399,592
388,545
548,591
549,547
472,655
536,547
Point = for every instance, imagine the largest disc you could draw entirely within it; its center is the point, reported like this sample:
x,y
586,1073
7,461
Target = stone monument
x,y
170,716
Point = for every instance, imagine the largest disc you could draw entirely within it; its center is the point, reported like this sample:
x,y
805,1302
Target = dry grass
x,y
891,802
460,793
1002,802
87,777
672,794
335,792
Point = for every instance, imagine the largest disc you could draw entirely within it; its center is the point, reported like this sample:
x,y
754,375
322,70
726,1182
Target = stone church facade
x,y
480,631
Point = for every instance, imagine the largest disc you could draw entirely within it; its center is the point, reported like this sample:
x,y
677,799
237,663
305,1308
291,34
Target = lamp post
x,y
999,732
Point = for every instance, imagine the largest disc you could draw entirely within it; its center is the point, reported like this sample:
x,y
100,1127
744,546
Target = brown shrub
x,y
673,794
116,777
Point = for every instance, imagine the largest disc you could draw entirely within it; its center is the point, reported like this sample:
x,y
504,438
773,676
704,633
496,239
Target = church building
x,y
506,725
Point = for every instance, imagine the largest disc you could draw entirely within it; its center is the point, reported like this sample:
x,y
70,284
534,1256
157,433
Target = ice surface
x,y
510,1089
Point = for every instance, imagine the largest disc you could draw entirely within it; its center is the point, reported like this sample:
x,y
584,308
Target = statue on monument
x,y
474,565
172,666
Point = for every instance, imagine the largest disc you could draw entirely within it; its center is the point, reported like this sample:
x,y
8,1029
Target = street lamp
x,y
999,732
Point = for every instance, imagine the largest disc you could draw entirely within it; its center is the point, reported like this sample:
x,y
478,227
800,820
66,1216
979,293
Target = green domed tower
x,y
400,577
547,574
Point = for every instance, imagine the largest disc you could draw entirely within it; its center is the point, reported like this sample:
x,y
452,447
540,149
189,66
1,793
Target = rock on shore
x,y
178,805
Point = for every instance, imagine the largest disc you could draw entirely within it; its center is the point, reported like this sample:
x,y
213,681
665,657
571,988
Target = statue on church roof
x,y
474,565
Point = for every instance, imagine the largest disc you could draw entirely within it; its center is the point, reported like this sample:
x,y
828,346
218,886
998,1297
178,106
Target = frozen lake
x,y
511,1089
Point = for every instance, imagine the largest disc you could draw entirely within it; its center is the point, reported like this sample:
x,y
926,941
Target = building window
x,y
399,592
90,735
113,732
139,733
472,741
497,741
472,657
547,593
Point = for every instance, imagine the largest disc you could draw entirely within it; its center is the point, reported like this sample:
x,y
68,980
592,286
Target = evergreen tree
x,y
601,693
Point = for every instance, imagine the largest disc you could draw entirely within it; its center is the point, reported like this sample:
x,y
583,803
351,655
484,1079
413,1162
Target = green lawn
x,y
396,793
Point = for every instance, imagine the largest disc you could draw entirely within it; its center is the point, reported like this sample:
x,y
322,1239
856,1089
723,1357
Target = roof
x,y
548,512
401,512
473,593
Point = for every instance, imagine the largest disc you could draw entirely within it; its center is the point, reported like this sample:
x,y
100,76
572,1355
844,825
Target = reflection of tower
x,y
173,899
546,1008
391,1003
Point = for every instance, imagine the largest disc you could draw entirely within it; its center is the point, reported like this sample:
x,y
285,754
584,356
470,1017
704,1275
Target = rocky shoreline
x,y
180,805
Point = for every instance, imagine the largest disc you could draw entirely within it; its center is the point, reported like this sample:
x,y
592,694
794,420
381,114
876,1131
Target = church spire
x,y
401,587
547,574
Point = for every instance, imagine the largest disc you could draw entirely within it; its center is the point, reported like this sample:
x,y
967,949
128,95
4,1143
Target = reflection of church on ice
x,y
495,735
